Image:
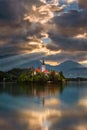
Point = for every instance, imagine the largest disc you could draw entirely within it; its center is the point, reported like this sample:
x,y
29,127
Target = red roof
x,y
46,71
37,70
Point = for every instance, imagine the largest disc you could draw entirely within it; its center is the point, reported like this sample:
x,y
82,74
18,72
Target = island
x,y
32,75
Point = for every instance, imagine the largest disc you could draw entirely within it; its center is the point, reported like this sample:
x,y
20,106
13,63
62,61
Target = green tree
x,y
26,77
61,76
53,76
40,77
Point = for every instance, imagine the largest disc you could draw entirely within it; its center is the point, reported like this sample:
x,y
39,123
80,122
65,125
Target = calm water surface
x,y
38,107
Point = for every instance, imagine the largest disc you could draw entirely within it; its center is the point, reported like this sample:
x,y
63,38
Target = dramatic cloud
x,y
71,23
83,3
67,44
10,11
63,56
49,28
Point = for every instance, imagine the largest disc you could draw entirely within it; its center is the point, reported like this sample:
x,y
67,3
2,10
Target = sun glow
x,y
36,118
44,35
40,46
40,14
51,2
53,63
70,1
81,127
84,62
83,102
83,36
46,51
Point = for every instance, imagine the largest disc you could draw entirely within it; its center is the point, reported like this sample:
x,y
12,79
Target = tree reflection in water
x,y
31,89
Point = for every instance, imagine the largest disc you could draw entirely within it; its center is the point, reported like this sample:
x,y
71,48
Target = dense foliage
x,y
27,75
41,77
12,75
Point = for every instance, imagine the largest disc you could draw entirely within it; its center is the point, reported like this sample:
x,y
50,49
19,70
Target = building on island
x,y
43,66
42,69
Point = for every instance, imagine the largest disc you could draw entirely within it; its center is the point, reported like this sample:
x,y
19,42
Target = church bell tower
x,y
43,67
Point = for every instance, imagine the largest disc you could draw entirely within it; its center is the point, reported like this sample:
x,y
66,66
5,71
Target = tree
x,y
53,76
40,77
26,77
61,76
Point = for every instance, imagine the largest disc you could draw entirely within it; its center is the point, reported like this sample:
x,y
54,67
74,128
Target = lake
x,y
43,107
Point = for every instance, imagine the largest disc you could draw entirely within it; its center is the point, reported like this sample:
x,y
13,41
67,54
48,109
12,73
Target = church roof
x,y
37,70
43,63
46,71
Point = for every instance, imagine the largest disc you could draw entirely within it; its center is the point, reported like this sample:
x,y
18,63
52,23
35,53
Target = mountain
x,y
76,72
67,65
72,69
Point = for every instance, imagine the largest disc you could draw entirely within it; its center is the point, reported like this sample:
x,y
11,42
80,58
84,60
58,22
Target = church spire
x,y
43,67
43,63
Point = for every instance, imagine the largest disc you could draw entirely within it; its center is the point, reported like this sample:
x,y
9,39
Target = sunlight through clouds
x,y
43,26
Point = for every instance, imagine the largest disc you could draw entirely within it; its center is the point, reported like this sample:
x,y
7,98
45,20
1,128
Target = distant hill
x,y
76,73
67,65
72,69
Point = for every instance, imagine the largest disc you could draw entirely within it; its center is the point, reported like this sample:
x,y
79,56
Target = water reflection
x,y
50,107
32,89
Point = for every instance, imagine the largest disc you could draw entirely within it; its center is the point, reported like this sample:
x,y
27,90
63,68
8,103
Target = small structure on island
x,y
42,69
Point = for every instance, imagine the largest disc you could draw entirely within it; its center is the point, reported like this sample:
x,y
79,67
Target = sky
x,y
33,29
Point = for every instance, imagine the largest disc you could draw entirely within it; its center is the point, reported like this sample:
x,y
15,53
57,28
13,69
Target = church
x,y
42,69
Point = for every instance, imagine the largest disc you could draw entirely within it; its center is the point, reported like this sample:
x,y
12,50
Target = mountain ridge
x,y
67,65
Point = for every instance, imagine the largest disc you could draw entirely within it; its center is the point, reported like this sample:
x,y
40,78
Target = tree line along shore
x,y
28,75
